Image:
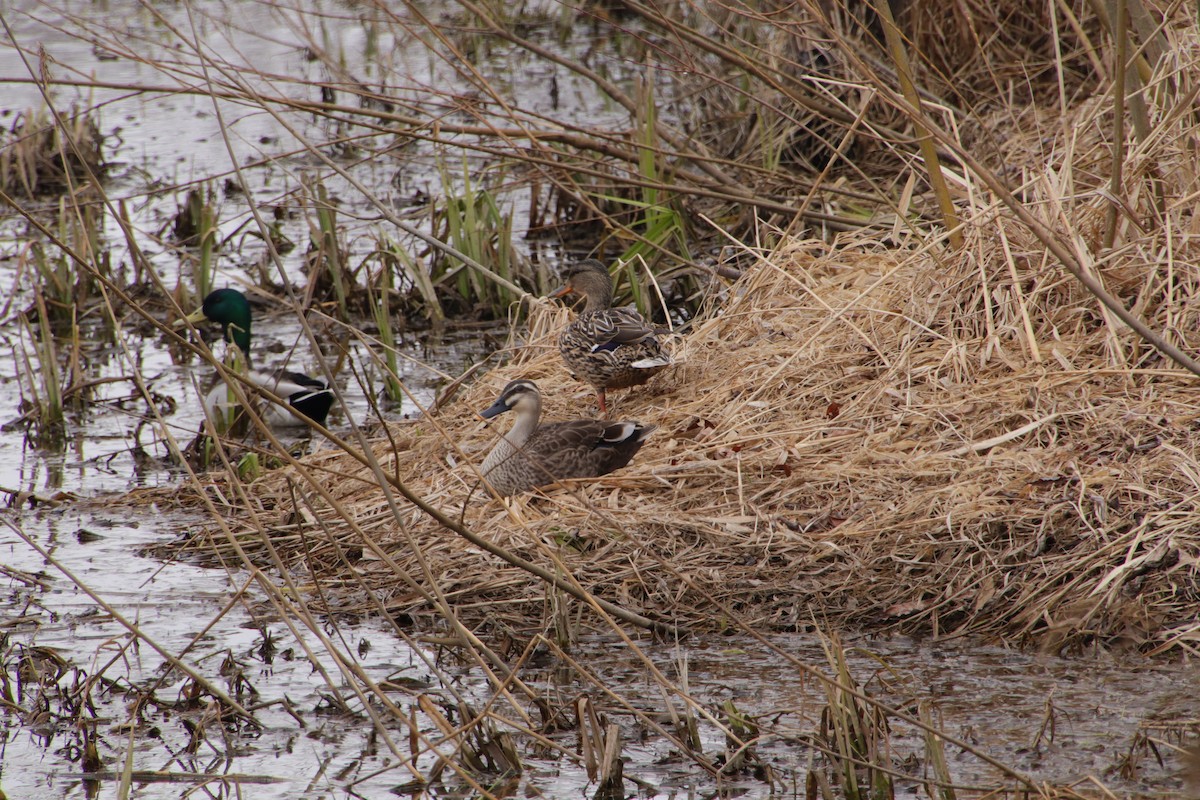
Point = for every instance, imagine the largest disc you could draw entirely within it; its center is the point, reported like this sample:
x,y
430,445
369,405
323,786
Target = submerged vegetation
x,y
196,228
929,295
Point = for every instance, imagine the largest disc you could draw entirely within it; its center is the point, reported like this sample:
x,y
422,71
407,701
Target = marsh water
x,y
78,577
1060,719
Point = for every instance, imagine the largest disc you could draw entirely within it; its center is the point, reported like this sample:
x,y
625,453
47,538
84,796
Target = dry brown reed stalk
x,y
977,53
928,151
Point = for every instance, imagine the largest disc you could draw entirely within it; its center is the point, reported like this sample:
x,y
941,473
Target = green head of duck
x,y
230,309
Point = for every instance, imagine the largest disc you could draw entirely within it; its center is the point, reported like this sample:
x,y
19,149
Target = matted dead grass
x,y
859,437
882,433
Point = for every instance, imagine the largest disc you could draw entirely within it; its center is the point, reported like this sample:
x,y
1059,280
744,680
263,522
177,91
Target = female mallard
x,y
610,348
310,396
532,455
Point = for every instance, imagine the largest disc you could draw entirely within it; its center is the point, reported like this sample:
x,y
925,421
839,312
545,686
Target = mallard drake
x,y
532,455
610,348
310,396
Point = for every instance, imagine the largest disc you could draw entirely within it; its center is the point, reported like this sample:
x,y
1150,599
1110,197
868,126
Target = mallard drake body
x,y
309,396
610,348
532,455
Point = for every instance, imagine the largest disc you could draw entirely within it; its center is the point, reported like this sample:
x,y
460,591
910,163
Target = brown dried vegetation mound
x,y
882,433
861,437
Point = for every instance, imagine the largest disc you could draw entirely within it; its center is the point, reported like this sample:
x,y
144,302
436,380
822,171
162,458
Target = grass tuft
x,y
39,158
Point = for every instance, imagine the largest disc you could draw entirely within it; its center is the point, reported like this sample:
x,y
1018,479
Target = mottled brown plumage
x,y
610,348
532,455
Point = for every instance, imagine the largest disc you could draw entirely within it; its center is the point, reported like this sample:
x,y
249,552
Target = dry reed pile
x,y
863,438
886,433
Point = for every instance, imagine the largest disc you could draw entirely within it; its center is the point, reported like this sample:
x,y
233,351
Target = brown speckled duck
x,y
610,348
532,455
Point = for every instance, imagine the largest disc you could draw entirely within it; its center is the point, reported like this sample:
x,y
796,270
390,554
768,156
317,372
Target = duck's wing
x,y
616,327
583,448
311,396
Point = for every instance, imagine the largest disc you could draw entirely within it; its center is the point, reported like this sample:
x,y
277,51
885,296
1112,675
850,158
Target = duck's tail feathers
x,y
653,362
314,404
621,432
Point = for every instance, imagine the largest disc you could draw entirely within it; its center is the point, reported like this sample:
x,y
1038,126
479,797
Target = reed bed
x,y
857,437
878,429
